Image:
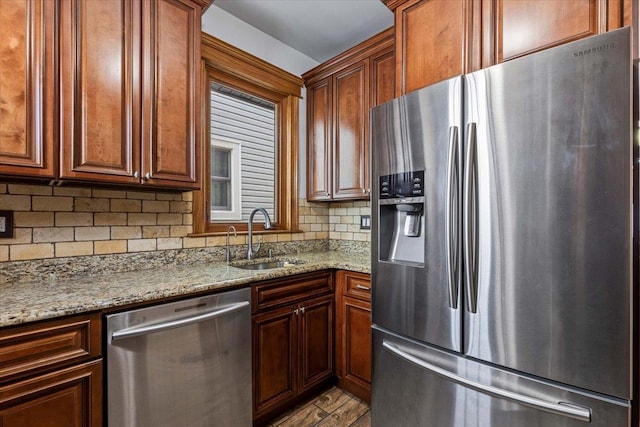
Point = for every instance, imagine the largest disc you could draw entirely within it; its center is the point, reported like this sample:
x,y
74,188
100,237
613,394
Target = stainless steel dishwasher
x,y
182,364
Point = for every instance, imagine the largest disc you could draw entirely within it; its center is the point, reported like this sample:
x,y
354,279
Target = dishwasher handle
x,y
150,329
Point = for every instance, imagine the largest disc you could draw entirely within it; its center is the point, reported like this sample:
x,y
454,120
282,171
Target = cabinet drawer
x,y
289,290
34,348
357,285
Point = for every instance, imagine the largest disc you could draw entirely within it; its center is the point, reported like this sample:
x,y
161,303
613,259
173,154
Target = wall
x,y
232,30
344,221
55,222
58,222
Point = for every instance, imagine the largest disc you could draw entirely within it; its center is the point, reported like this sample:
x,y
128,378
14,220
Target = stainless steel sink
x,y
262,265
265,265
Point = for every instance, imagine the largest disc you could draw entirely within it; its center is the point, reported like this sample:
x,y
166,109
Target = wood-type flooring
x,y
333,408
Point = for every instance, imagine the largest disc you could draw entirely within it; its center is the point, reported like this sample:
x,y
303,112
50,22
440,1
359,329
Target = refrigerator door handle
x,y
565,409
470,219
451,220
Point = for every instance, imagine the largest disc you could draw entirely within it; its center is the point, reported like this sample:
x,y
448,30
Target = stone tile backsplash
x,y
64,222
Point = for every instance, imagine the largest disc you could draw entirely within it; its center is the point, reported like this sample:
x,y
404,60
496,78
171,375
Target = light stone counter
x,y
32,301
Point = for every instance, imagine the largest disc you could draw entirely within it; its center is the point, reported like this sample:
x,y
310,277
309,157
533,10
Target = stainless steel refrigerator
x,y
502,244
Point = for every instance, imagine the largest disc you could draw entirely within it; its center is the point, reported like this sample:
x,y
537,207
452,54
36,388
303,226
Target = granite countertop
x,y
32,301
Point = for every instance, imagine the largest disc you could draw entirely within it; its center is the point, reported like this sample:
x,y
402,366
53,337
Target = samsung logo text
x,y
597,49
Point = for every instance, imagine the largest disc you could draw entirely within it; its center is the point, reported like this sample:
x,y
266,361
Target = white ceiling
x,y
320,29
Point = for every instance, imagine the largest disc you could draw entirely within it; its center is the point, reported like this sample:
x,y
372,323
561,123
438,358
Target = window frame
x,y
230,66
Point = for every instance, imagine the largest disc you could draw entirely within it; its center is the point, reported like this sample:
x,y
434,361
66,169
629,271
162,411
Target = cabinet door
x,y
27,83
355,361
316,341
433,39
67,398
527,26
171,93
353,332
99,90
274,358
351,132
319,136
383,77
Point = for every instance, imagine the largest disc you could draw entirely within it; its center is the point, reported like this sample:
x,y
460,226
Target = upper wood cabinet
x,y
28,37
383,76
340,94
432,42
319,137
351,132
438,39
129,91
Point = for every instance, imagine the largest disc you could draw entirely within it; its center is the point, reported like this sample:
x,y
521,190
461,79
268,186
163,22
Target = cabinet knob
x,y
136,174
296,311
302,310
147,176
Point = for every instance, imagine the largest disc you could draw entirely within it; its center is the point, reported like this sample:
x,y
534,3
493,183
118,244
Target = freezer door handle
x,y
158,327
565,409
470,219
451,220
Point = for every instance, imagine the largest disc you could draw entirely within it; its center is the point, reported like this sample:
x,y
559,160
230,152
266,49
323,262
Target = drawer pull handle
x,y
362,287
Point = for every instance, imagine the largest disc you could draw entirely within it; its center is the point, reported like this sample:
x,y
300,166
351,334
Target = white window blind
x,y
251,122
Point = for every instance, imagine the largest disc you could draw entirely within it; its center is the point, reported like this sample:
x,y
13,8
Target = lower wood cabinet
x,y
70,397
315,318
353,333
292,343
51,373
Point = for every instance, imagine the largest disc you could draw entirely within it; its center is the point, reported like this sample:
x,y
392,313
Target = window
x,y
251,123
226,197
250,149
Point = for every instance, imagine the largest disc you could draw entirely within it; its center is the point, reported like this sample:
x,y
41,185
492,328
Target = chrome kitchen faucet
x,y
251,251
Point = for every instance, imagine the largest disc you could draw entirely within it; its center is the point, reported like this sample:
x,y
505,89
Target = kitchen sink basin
x,y
265,265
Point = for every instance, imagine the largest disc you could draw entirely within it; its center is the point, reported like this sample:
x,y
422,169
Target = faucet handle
x,y
257,248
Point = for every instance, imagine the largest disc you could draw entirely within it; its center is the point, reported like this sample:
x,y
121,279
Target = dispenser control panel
x,y
399,185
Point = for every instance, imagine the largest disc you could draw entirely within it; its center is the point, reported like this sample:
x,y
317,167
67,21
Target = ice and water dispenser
x,y
401,217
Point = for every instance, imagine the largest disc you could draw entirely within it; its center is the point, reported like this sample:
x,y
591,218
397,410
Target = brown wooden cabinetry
x,y
319,139
353,333
129,91
438,39
292,332
51,373
527,26
351,132
28,37
383,76
340,93
432,42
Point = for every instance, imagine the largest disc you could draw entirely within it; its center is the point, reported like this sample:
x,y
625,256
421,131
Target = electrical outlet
x,y
365,222
6,224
